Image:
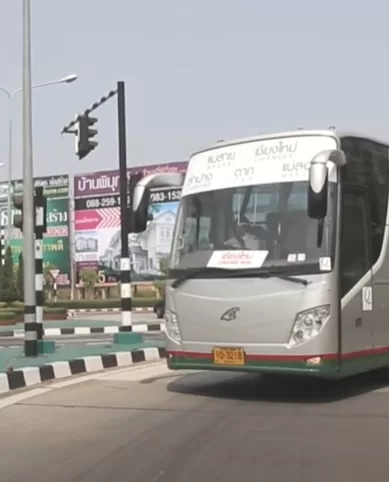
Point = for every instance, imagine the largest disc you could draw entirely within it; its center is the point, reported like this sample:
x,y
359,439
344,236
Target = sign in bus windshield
x,y
256,162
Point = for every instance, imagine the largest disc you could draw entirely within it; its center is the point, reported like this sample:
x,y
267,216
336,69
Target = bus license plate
x,y
229,356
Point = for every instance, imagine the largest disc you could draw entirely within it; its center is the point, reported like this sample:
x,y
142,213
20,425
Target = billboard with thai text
x,y
56,245
97,225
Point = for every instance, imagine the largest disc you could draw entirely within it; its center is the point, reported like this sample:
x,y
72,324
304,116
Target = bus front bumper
x,y
322,366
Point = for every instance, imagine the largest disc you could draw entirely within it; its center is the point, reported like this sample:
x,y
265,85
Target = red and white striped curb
x,y
72,313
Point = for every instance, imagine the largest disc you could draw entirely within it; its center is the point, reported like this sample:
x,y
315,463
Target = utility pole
x,y
30,327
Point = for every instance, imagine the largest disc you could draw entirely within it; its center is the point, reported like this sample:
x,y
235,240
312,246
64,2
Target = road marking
x,y
6,402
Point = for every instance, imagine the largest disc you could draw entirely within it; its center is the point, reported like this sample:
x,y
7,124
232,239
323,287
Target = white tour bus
x,y
279,259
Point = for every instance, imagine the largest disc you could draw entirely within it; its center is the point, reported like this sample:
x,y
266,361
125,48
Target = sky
x,y
196,71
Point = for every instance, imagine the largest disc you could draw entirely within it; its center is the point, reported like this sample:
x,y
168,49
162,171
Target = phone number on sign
x,y
165,196
98,202
160,196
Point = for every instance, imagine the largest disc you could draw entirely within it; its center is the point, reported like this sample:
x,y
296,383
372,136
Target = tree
x,y
20,278
159,284
164,265
8,293
48,281
89,279
154,208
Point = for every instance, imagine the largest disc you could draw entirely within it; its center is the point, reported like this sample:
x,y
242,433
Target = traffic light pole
x,y
30,327
125,262
39,284
80,126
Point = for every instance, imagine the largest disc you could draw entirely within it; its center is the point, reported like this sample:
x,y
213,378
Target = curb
x,y
71,313
26,377
88,330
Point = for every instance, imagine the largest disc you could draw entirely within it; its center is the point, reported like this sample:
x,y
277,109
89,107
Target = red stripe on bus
x,y
289,358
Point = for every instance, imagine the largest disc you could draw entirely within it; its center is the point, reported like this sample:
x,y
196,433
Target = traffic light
x,y
40,210
84,144
18,218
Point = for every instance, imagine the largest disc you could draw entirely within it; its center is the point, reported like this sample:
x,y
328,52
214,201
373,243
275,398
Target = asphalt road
x,y
151,425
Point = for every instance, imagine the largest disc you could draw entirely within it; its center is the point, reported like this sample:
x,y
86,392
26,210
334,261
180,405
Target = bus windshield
x,y
265,217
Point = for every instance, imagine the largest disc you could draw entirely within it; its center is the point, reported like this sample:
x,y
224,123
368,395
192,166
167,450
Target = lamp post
x,y
10,95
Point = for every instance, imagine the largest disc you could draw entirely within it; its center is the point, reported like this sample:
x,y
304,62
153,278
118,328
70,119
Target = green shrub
x,y
146,294
54,309
18,310
160,286
62,305
96,304
143,302
7,315
8,292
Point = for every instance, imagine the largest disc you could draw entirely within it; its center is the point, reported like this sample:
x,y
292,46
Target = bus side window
x,y
196,230
368,167
355,244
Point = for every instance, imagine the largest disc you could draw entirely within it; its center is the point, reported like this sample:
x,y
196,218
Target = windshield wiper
x,y
232,273
285,277
194,273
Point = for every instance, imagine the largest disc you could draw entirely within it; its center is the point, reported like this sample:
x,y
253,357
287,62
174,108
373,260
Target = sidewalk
x,y
84,327
68,361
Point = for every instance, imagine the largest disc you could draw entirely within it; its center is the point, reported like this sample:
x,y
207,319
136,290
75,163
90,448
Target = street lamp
x,y
64,80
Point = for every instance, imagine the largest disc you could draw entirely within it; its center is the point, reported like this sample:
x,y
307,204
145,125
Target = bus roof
x,y
299,132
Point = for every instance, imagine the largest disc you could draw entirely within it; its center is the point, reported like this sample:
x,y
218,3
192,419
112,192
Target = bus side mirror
x,y
139,213
318,191
318,181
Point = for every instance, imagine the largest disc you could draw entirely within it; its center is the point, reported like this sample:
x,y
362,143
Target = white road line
x,y
19,397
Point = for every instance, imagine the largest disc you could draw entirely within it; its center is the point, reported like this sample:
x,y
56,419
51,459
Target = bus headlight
x,y
309,323
172,328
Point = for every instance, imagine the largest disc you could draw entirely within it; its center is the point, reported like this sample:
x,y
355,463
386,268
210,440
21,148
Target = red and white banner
x,y
90,220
